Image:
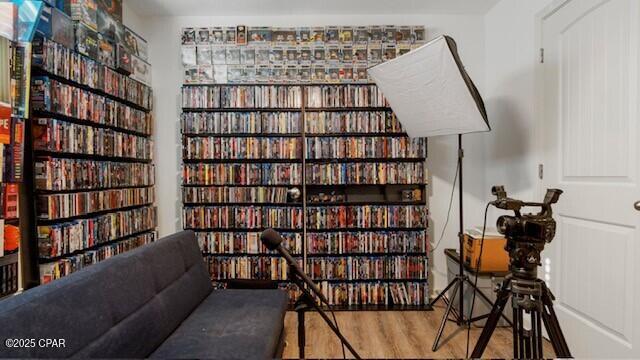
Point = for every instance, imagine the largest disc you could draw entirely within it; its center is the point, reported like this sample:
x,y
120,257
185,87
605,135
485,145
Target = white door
x,y
590,150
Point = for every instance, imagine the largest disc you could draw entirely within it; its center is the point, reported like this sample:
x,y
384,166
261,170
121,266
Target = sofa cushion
x,y
230,324
125,306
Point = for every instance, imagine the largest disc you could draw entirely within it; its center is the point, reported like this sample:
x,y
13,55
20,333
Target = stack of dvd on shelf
x,y
92,154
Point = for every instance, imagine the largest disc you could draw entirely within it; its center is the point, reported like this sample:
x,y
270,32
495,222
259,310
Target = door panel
x,y
590,137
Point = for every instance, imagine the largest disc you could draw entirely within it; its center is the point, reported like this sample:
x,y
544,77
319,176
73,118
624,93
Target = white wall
x,y
511,55
164,39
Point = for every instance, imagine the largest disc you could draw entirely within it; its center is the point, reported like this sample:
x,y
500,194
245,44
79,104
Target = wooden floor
x,y
392,334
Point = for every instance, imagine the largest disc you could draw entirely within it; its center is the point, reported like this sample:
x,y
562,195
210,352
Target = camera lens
x,y
502,225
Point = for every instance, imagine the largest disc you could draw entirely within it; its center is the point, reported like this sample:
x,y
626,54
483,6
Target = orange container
x,y
494,256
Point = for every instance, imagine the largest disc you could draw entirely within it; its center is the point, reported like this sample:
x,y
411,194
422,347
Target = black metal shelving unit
x,y
126,239
307,188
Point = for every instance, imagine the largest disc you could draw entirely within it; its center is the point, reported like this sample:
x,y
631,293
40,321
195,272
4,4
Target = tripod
x,y
530,296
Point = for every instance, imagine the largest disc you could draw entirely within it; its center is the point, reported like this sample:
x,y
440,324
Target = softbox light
x,y
430,91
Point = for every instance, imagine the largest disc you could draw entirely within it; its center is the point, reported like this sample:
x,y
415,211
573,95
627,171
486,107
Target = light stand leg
x,y
445,317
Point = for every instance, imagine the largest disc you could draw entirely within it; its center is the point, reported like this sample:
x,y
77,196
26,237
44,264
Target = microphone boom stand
x,y
305,302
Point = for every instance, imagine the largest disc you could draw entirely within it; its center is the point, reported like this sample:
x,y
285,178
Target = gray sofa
x,y
155,301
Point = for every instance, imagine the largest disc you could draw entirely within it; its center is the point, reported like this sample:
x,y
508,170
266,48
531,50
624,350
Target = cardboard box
x,y
494,256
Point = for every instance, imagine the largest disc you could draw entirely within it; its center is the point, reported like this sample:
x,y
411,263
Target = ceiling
x,y
309,7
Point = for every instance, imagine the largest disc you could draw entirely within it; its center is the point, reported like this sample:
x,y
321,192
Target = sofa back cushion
x,y
125,306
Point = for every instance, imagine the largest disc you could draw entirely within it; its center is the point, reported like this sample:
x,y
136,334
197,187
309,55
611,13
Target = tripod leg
x,y
445,318
486,298
443,292
492,321
535,335
539,329
521,340
558,342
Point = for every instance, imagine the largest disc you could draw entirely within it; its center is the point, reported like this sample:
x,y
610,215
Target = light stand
x,y
457,284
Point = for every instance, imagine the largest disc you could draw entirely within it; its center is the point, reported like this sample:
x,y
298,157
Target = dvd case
x,y
106,51
135,44
107,25
123,60
142,70
84,11
62,28
86,41
112,7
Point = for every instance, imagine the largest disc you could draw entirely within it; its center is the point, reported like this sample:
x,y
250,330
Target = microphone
x,y
273,241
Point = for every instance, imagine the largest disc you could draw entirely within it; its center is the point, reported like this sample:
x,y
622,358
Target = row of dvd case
x,y
345,122
242,174
56,174
61,136
399,267
366,173
365,147
363,34
338,55
242,217
243,243
241,97
248,267
66,238
377,293
57,269
361,242
66,63
241,148
231,194
55,97
229,123
65,205
344,96
366,216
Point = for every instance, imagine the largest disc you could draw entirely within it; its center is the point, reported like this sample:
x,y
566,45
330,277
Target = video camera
x,y
536,228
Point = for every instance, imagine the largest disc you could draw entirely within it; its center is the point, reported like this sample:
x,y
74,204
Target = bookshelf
x,y
91,161
361,229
